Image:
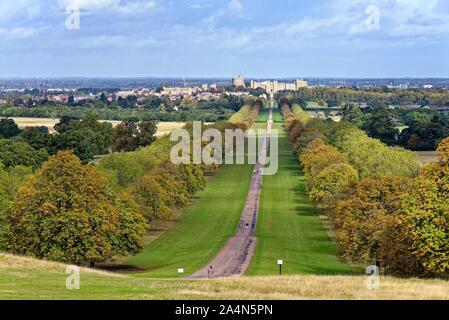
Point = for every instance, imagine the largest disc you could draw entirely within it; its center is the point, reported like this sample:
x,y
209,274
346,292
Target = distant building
x,y
177,91
143,92
427,86
275,86
239,81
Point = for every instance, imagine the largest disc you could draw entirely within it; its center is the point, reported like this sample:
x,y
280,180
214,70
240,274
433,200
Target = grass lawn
x,y
203,228
26,278
315,105
263,115
288,227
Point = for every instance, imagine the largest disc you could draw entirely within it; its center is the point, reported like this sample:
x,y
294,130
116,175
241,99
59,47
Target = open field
x,y
315,105
202,229
27,278
288,227
162,127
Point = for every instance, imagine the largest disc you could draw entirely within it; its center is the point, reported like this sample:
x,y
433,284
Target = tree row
x,y
384,208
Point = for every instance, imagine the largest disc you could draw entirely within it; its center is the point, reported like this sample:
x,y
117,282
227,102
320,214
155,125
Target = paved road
x,y
236,255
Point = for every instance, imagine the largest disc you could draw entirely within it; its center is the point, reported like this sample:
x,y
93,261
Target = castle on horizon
x,y
270,86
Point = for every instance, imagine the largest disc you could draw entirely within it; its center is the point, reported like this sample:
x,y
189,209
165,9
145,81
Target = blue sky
x,y
211,38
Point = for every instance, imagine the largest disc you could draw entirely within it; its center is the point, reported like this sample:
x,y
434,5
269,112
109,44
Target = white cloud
x,y
119,6
89,5
235,7
101,42
200,6
136,6
17,33
10,9
404,22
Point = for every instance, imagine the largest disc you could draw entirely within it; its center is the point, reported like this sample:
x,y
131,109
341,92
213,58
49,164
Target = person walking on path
x,y
210,274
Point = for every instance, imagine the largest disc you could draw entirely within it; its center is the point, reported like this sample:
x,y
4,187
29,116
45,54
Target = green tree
x,y
353,114
37,137
8,128
153,198
131,135
10,181
125,135
18,153
71,101
65,213
147,133
132,226
426,213
103,98
381,125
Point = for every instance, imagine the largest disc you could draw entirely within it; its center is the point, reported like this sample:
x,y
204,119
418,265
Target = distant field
x,y
26,278
313,104
427,156
162,127
202,230
320,114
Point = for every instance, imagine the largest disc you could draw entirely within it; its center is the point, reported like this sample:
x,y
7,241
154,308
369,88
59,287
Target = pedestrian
x,y
210,273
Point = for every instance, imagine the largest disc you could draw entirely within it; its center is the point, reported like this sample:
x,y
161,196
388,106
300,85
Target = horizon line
x,y
219,77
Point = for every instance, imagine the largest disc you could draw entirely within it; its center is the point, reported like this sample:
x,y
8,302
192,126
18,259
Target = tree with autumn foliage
x,y
153,198
10,181
318,155
328,174
66,213
367,222
306,137
426,214
132,226
295,130
332,184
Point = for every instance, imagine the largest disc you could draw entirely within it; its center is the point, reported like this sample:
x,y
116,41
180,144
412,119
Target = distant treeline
x,y
86,137
374,97
149,108
424,129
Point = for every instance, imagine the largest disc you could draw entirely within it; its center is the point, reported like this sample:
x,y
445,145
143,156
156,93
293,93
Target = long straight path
x,y
235,257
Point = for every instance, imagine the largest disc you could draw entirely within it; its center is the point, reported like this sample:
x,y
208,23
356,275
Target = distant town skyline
x,y
207,38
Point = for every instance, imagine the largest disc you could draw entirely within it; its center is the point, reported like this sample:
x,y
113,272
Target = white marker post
x,y
280,263
181,270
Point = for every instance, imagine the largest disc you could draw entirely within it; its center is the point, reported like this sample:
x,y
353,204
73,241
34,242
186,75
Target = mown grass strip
x,y
288,227
202,229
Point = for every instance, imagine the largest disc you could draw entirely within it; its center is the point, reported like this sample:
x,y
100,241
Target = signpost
x,y
280,263
181,270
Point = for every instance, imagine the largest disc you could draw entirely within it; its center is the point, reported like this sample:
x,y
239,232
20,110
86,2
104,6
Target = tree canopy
x,y
67,213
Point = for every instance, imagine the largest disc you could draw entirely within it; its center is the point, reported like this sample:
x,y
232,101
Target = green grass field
x,y
315,105
203,228
288,227
263,116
